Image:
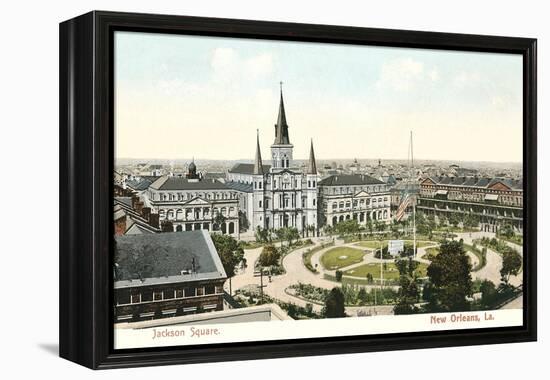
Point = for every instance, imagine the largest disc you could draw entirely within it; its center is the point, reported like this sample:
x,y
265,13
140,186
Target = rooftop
x,y
178,183
243,187
170,257
247,168
479,182
349,179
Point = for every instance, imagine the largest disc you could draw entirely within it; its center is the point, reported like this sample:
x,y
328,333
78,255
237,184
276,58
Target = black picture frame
x,y
86,167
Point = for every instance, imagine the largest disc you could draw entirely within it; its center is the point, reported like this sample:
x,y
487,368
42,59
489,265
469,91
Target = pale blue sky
x,y
183,96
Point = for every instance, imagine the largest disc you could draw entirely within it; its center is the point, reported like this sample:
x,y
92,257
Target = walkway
x,y
296,272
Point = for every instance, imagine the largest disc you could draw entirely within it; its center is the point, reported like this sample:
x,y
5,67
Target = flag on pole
x,y
406,201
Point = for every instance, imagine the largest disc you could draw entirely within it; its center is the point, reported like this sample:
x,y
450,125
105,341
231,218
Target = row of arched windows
x,y
162,196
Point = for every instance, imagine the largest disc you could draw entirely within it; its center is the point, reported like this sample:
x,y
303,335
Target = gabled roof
x,y
123,208
140,184
196,201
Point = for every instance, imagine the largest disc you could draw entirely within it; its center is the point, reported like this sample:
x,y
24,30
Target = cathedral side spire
x,y
258,166
311,166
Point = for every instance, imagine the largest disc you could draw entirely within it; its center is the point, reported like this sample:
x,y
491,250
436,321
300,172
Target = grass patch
x,y
516,239
374,244
307,255
456,229
432,252
390,271
340,257
481,257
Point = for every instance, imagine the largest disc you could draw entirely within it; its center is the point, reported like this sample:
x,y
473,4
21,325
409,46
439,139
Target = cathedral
x,y
282,194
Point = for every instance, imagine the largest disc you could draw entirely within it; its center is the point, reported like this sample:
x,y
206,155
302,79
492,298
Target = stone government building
x,y
359,197
192,203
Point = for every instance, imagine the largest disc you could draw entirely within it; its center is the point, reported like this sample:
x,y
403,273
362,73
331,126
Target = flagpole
x,y
414,201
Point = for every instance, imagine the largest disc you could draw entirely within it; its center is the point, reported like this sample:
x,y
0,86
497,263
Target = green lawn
x,y
391,272
374,244
456,229
340,257
432,251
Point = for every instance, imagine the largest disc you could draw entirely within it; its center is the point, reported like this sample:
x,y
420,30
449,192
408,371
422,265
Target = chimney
x,y
138,207
120,226
154,220
135,199
146,212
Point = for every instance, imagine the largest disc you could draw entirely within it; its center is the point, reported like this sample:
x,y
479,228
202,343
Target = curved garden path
x,y
297,272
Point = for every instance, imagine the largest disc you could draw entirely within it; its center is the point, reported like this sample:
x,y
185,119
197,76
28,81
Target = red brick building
x,y
495,201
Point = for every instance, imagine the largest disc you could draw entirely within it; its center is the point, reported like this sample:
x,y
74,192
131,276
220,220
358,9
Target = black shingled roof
x,y
166,254
139,185
349,179
247,168
244,187
178,183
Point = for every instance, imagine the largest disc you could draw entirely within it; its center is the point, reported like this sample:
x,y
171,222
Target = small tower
x,y
281,149
258,187
310,208
192,171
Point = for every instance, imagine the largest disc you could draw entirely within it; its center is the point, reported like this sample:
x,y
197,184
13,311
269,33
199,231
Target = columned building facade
x,y
353,196
494,201
194,203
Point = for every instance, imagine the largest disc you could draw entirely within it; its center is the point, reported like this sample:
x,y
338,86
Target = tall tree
x,y
507,231
408,293
230,251
334,304
291,234
450,278
454,219
270,256
511,264
219,221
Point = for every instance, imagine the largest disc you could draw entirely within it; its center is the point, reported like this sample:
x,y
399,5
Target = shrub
x,y
270,256
334,304
339,274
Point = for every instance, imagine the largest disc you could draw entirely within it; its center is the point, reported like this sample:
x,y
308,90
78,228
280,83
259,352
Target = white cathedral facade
x,y
281,194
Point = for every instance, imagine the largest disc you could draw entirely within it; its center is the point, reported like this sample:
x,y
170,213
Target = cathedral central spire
x,y
281,128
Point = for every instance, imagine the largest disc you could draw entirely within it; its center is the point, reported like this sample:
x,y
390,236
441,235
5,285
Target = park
x,y
306,271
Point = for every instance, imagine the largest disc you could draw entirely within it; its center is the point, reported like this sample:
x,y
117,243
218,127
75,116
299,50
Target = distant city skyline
x,y
184,96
